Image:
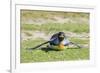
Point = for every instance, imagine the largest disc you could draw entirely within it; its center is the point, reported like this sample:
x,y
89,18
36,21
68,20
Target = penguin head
x,y
61,36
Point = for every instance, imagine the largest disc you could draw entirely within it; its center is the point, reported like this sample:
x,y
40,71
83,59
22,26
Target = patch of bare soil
x,y
39,34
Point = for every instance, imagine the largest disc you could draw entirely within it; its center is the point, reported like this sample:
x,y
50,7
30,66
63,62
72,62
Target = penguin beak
x,y
61,36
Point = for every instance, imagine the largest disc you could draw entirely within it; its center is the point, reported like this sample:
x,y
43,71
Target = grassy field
x,y
29,55
54,27
38,26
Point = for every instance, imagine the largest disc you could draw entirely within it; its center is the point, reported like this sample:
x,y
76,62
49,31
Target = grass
x,y
54,27
79,41
38,55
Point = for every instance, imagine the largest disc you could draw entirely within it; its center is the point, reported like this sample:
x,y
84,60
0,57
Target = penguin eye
x,y
62,35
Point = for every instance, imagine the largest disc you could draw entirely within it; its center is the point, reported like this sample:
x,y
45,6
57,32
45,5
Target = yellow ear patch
x,y
61,46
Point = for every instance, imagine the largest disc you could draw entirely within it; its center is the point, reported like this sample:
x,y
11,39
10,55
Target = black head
x,y
61,36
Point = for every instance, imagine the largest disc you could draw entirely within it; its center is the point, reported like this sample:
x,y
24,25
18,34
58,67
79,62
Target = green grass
x,y
79,41
28,55
54,27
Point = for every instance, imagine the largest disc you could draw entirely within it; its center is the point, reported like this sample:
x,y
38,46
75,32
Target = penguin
x,y
59,41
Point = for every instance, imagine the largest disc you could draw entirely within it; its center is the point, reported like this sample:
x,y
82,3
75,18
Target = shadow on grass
x,y
74,48
46,49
